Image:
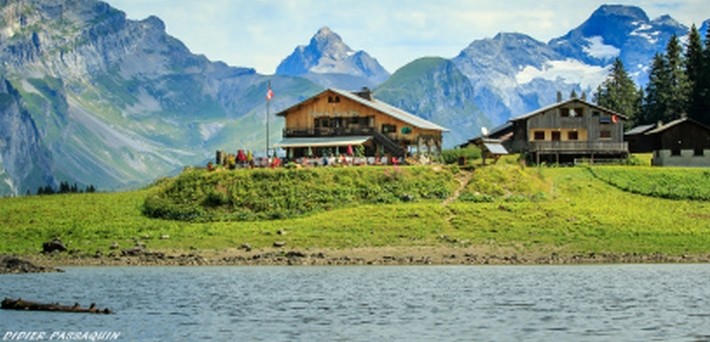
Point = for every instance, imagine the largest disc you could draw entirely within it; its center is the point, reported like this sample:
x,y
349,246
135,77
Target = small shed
x,y
490,148
682,142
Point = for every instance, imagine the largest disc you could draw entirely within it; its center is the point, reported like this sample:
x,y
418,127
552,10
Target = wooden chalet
x,y
682,142
336,122
564,132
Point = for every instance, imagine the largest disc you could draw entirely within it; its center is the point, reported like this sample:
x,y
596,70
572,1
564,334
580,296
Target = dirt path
x,y
463,177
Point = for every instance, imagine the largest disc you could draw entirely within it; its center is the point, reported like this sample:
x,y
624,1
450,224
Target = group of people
x,y
246,159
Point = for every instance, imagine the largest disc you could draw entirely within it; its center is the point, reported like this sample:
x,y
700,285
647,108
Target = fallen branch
x,y
19,304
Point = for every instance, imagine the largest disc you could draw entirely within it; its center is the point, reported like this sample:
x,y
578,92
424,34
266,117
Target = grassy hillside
x,y
578,214
200,195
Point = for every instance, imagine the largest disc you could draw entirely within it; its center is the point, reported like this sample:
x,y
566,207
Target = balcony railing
x,y
327,131
577,147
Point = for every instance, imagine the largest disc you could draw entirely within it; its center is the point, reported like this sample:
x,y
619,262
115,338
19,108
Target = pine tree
x,y
694,70
655,102
678,85
618,93
704,83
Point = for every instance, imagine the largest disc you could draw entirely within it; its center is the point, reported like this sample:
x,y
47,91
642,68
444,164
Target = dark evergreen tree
x,y
618,93
704,82
678,81
655,100
694,70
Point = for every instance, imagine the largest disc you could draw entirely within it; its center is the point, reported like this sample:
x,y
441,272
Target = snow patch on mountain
x,y
598,49
645,31
569,70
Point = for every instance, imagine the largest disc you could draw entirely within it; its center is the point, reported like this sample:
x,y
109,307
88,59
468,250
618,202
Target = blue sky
x,y
261,33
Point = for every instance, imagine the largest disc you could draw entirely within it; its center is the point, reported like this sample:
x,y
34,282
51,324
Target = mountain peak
x,y
327,54
628,12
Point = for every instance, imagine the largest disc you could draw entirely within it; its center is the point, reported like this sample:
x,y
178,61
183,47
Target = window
x,y
579,112
387,128
564,112
605,119
605,134
556,136
572,135
333,99
539,135
675,151
698,152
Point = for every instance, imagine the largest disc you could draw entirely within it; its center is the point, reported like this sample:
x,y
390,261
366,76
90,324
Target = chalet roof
x,y
640,129
492,133
323,141
664,127
381,107
560,104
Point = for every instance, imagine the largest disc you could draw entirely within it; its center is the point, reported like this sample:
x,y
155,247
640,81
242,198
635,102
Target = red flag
x,y
614,118
269,94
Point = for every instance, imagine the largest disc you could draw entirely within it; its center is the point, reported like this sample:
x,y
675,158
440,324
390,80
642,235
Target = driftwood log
x,y
20,304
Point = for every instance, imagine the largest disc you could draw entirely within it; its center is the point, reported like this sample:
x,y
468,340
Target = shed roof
x,y
640,129
664,127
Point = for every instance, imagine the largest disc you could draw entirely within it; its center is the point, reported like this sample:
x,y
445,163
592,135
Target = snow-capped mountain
x,y
328,61
619,31
513,73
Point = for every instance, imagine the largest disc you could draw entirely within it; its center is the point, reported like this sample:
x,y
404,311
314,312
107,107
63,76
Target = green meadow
x,y
528,210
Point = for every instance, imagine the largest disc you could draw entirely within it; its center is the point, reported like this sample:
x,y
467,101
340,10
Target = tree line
x,y
64,188
678,85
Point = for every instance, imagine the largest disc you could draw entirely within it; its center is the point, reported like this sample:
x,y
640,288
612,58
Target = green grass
x,y
673,183
579,214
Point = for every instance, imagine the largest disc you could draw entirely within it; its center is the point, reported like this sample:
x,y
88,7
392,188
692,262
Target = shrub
x,y
452,156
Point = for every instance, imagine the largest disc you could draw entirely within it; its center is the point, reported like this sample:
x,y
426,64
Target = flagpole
x,y
268,99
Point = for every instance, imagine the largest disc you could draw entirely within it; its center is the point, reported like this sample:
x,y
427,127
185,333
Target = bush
x,y
452,156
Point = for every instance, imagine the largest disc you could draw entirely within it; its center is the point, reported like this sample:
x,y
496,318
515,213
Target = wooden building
x,y
336,122
682,142
564,132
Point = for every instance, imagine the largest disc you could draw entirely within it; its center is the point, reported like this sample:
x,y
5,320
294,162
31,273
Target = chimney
x,y
559,96
365,93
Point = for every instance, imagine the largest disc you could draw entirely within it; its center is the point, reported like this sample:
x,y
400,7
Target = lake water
x,y
392,303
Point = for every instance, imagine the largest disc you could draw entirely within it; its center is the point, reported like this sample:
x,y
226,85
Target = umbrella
x,y
350,150
337,151
290,153
309,152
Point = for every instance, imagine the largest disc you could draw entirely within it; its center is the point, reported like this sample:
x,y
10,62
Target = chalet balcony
x,y
327,131
581,147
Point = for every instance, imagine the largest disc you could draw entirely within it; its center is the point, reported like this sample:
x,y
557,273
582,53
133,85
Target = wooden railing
x,y
327,131
577,146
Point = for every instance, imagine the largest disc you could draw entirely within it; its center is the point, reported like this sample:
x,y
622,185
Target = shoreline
x,y
357,256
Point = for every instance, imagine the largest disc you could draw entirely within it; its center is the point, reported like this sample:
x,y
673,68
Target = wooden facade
x,y
321,124
565,131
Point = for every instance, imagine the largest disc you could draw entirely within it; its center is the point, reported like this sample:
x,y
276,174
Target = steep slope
x,y
328,61
434,89
118,102
24,161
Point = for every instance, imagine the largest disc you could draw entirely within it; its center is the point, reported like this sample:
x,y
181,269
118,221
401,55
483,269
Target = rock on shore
x,y
13,264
